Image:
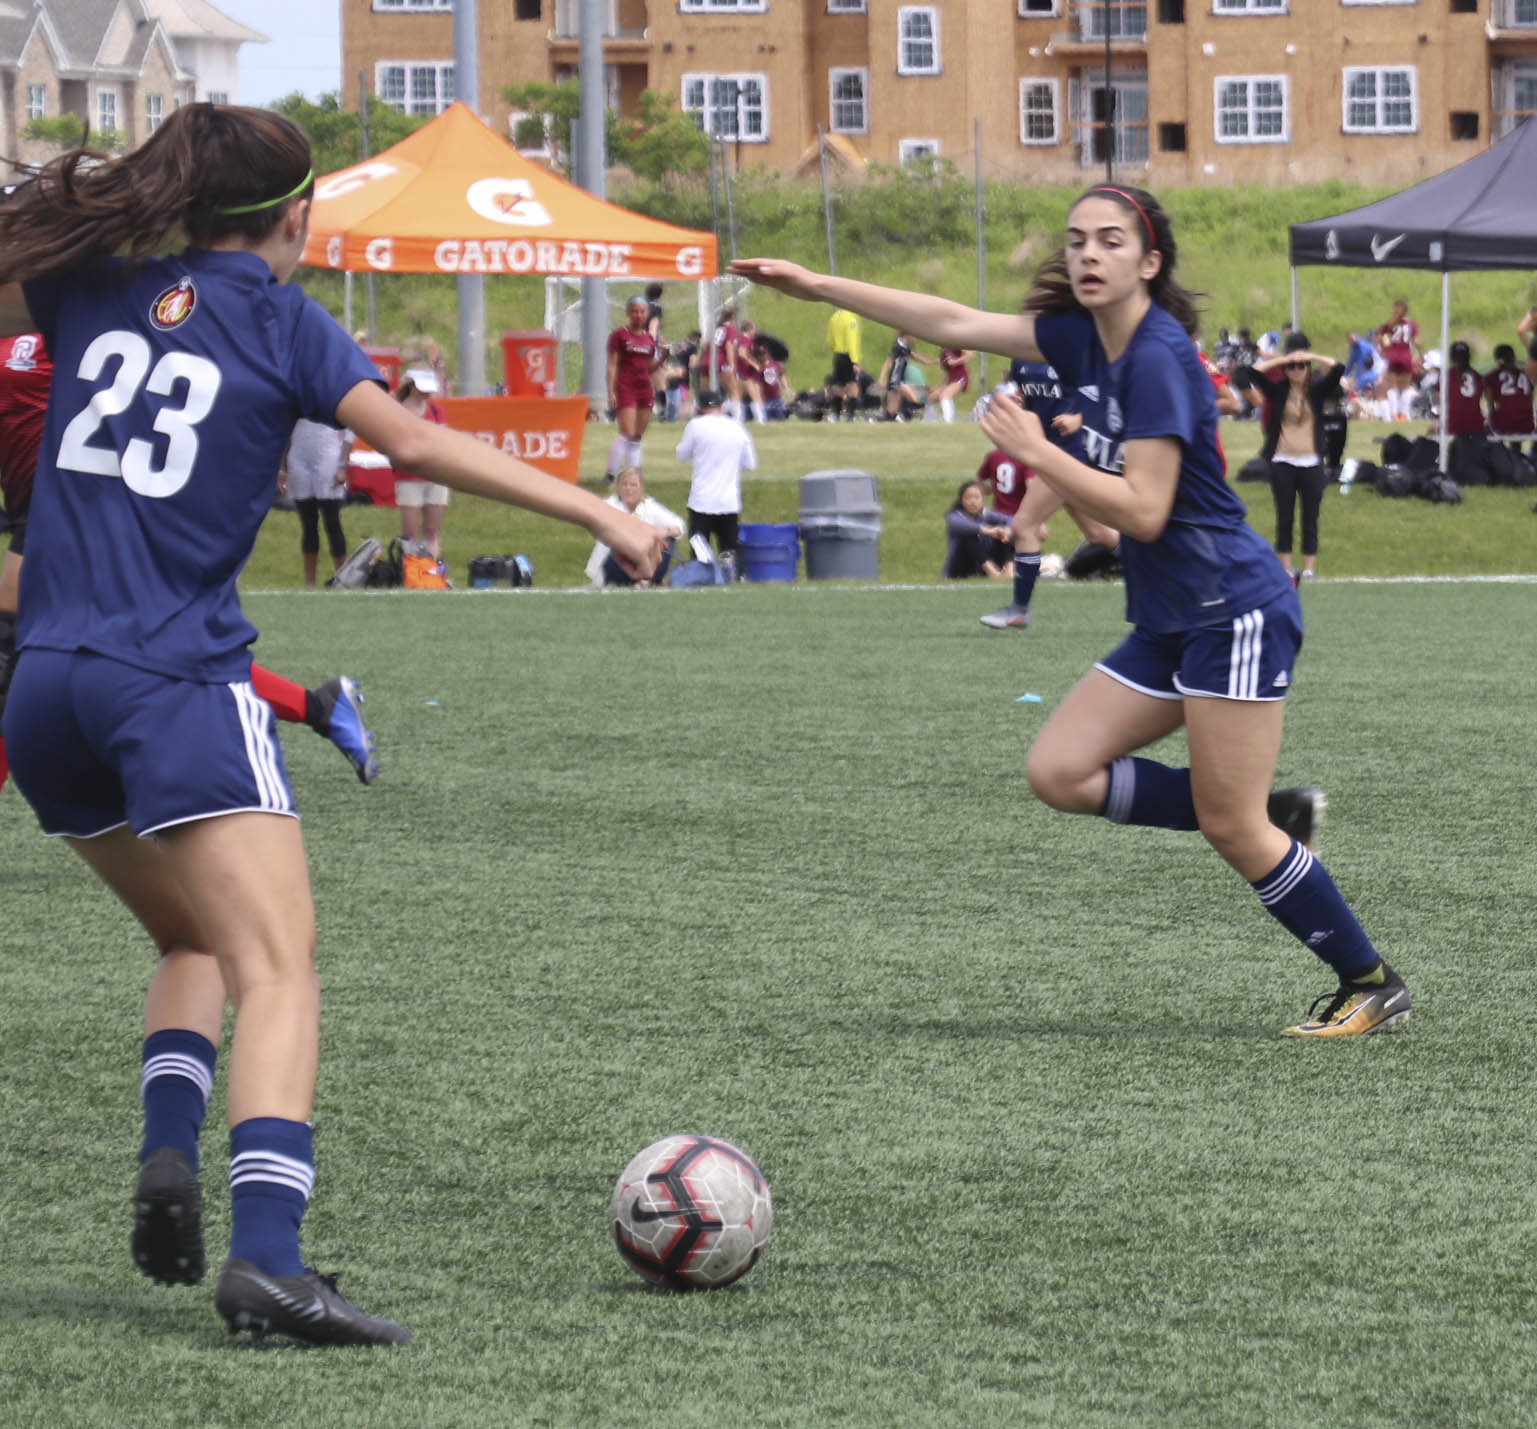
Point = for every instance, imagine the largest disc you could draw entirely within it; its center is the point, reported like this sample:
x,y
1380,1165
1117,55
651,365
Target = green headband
x,y
294,192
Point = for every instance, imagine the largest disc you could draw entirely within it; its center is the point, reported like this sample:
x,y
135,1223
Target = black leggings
x,y
1287,482
723,525
312,511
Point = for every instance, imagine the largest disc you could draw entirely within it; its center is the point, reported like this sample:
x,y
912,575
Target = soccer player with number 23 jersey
x,y
131,713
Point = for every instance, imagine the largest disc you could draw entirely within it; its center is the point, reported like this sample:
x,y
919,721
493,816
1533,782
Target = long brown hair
x,y
203,161
1052,290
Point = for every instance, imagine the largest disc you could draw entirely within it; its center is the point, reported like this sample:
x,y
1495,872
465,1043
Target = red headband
x,y
1147,223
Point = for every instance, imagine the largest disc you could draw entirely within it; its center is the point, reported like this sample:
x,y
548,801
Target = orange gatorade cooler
x,y
529,362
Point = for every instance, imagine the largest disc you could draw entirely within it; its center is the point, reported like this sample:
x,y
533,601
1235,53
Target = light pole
x,y
1109,106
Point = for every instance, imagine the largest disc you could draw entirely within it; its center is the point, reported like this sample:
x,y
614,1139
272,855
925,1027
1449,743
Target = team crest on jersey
x,y
174,306
24,352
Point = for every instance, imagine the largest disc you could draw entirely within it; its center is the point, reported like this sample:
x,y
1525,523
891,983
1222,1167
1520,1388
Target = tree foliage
x,y
336,133
656,142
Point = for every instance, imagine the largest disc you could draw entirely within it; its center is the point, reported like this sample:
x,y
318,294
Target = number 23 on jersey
x,y
178,424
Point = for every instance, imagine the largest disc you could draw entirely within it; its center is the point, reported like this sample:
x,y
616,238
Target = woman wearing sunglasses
x,y
1298,386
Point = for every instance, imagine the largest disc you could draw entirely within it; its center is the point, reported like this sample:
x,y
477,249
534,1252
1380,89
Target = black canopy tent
x,y
1477,217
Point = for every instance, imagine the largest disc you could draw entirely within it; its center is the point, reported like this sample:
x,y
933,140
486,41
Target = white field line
x,y
955,587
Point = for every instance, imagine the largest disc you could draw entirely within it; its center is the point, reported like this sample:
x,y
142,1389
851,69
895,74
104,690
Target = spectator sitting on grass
x,y
630,495
976,537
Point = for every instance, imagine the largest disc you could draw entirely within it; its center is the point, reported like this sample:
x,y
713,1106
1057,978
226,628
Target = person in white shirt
x,y
720,450
313,475
630,495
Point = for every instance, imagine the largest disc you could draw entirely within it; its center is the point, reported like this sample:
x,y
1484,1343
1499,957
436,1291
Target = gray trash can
x,y
840,520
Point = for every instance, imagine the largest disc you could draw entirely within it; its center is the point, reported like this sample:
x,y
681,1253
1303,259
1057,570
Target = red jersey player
x,y
1509,392
956,379
634,353
1007,478
1464,394
1398,339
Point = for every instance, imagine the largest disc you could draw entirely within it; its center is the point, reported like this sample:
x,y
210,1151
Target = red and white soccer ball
x,y
692,1213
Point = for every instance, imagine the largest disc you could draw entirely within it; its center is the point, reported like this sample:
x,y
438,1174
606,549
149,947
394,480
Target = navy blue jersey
x,y
1207,565
176,386
1041,391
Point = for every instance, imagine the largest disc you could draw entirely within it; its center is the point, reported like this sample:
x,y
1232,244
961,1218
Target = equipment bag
x,y
353,573
419,568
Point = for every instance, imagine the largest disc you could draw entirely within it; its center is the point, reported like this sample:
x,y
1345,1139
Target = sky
x,y
305,51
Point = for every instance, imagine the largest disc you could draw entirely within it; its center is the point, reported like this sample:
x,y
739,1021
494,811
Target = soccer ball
x,y
1051,566
692,1213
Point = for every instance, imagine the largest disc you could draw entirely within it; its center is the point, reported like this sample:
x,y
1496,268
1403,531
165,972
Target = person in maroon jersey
x,y
1398,338
1464,395
771,379
724,342
953,363
1509,393
26,373
749,369
634,354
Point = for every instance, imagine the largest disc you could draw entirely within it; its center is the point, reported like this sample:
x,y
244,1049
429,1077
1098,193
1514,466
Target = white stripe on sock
x,y
1292,873
177,1064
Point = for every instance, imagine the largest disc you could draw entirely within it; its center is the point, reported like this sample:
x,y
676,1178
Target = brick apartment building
x,y
119,65
1203,91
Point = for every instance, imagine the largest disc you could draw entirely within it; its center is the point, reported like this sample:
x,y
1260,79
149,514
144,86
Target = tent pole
x,y
1446,324
347,302
1296,315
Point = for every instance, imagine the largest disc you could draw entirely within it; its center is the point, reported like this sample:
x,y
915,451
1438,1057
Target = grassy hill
x,y
918,231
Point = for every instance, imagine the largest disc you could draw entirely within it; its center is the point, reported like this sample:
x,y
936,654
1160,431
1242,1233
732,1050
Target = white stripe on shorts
x,y
261,749
1243,664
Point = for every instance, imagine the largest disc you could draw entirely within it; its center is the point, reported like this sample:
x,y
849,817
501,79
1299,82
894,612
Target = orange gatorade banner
x,y
544,431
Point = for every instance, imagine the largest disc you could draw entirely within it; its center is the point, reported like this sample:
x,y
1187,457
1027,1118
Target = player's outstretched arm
x,y
936,320
454,459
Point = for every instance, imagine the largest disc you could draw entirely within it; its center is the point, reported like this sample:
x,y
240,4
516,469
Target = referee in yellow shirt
x,y
843,338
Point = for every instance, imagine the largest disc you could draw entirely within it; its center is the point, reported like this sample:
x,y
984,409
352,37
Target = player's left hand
x,y
1014,430
636,544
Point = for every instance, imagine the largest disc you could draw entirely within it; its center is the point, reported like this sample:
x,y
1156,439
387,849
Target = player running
x,y
1037,386
1216,622
132,726
955,365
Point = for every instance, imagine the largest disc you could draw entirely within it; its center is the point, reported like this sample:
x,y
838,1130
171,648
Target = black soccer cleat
x,y
1298,812
167,1239
305,1307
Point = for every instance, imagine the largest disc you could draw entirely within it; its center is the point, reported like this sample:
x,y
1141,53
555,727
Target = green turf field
x,y
760,862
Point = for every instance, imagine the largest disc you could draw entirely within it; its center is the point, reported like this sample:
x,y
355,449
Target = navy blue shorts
x,y
1248,658
96,744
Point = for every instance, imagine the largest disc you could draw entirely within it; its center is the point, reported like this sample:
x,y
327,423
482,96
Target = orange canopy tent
x,y
455,197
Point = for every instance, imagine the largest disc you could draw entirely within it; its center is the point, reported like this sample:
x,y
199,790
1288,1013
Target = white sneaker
x,y
1011,617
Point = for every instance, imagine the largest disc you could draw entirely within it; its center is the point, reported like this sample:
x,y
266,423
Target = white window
x,y
1125,19
917,39
1379,2
917,151
37,101
703,6
1381,100
413,4
1249,7
846,109
1038,109
845,7
415,88
154,112
1039,9
218,96
1096,116
1251,109
729,106
1516,14
106,110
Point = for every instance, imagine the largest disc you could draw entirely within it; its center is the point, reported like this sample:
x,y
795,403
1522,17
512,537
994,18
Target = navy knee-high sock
x,y
271,1174
1299,894
1142,791
175,1083
1027,567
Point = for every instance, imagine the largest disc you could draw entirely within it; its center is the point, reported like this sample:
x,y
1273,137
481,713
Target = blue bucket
x,y
768,552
